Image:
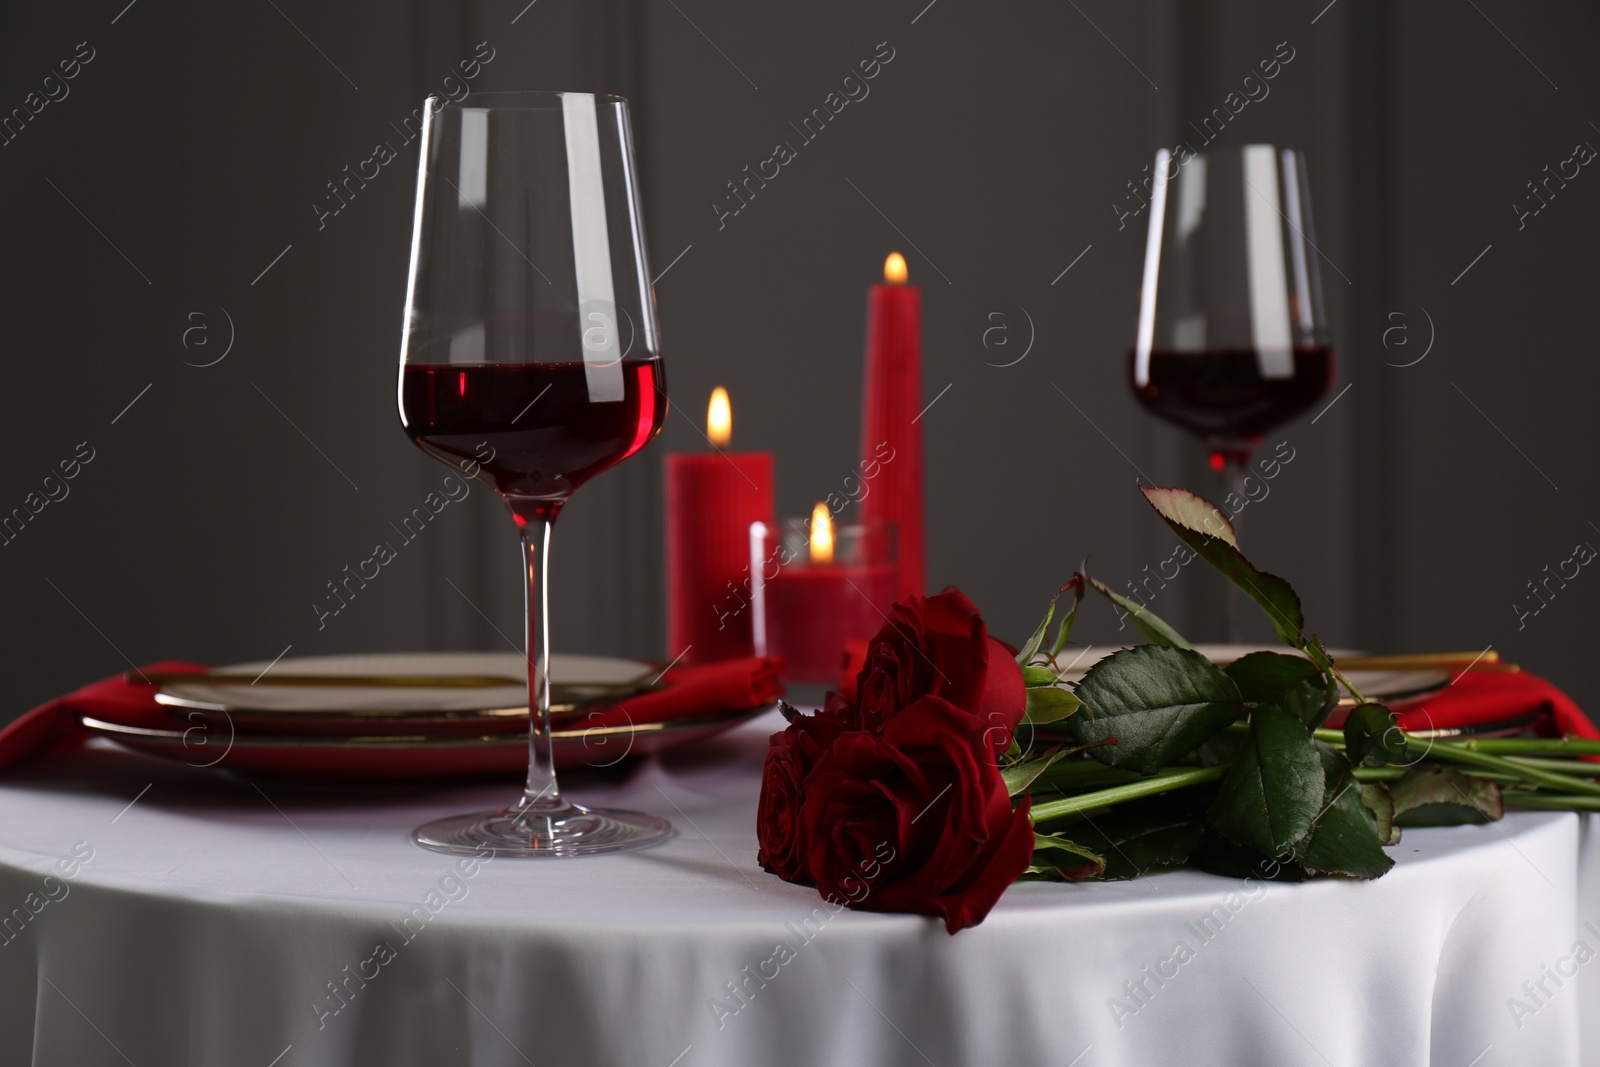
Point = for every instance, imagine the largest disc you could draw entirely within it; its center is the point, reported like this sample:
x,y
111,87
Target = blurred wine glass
x,y
1232,339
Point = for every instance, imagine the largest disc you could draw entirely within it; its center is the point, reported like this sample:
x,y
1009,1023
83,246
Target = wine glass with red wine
x,y
531,360
1233,339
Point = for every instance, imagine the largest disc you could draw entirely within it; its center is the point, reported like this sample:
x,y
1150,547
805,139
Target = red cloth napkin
x,y
691,692
1483,698
54,724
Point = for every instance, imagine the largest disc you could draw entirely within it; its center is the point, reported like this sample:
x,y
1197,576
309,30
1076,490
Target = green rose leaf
x,y
1335,767
1049,704
1443,796
1145,836
1347,838
1271,798
1372,736
1158,703
1036,676
1222,748
1349,834
1031,647
1376,796
1204,528
1292,682
1148,623
1076,585
1152,848
1019,777
1064,859
1230,859
1264,677
1190,512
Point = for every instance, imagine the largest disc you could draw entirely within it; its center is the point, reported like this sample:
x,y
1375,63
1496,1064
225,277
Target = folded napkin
x,y
54,724
690,692
1484,699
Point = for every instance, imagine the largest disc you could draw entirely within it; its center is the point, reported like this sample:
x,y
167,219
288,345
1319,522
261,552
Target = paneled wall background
x,y
172,204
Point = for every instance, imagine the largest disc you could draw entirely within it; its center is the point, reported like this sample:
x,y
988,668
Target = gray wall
x,y
990,150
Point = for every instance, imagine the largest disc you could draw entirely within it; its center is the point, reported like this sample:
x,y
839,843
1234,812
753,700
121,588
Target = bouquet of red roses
x,y
899,796
893,800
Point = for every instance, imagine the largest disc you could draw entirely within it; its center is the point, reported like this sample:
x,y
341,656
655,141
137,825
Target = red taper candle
x,y
891,406
712,498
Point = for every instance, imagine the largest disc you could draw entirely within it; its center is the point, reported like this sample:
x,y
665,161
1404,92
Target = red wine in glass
x,y
1232,340
528,291
1222,396
530,429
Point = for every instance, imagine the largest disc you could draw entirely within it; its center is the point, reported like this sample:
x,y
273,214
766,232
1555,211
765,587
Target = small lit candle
x,y
891,419
712,498
813,597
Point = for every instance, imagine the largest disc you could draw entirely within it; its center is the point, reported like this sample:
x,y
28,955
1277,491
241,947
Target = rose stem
x,y
1549,802
1532,746
1147,787
1502,746
1459,752
1080,774
1390,774
1559,782
1576,768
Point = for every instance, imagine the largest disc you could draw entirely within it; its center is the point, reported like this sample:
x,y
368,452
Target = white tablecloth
x,y
214,922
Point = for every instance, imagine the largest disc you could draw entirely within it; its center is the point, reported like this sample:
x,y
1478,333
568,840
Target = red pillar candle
x,y
891,407
712,498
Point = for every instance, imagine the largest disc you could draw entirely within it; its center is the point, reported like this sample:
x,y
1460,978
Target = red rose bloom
x,y
939,646
790,756
916,819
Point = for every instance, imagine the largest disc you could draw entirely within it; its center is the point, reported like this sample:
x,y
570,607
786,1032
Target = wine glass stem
x,y
1232,474
541,793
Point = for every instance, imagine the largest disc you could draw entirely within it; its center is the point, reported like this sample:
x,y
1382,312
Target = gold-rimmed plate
x,y
342,708
411,757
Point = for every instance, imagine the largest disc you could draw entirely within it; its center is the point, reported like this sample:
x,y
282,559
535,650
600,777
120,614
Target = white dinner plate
x,y
1389,687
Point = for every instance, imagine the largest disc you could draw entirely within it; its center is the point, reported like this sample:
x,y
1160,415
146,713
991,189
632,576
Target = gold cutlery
x,y
1422,661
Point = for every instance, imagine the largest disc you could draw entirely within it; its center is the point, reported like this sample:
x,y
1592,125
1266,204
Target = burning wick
x,y
821,534
719,418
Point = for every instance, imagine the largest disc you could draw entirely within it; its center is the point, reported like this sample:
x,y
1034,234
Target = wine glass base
x,y
570,830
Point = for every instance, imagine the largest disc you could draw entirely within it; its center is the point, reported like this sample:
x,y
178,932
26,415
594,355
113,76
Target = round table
x,y
155,915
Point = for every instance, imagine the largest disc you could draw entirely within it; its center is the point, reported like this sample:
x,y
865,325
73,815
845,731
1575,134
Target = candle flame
x,y
894,269
719,418
821,534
